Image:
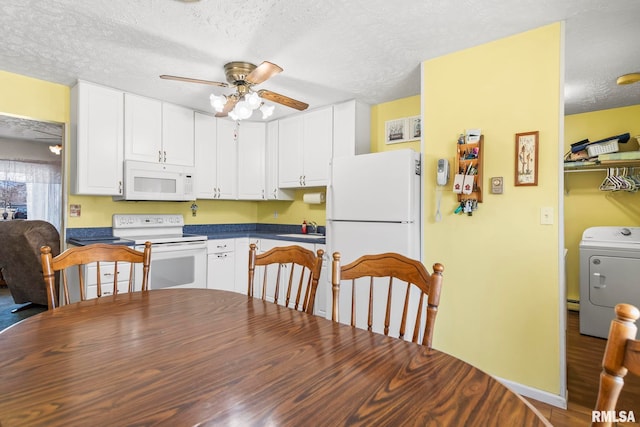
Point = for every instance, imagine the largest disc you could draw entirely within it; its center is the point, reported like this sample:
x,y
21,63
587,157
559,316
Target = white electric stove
x,y
178,260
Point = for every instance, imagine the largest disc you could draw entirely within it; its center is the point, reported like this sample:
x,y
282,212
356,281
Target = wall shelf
x,y
603,165
462,161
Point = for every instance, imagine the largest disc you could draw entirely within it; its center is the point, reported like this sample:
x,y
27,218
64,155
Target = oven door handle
x,y
162,247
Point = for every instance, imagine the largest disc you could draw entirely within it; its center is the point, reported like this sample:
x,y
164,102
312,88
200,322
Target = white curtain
x,y
44,188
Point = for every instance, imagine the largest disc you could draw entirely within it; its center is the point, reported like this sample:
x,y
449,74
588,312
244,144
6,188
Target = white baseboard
x,y
534,393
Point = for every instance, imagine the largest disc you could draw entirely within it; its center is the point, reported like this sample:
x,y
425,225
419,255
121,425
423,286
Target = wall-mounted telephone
x,y
442,176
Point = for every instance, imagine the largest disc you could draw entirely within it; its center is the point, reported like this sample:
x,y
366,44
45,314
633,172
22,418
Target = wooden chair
x,y
304,272
402,302
95,253
622,354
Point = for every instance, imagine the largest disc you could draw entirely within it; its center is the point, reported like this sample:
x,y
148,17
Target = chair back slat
x,y
296,267
80,257
401,300
621,355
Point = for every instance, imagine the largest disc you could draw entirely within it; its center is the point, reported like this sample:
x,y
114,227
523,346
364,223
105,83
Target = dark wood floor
x,y
584,363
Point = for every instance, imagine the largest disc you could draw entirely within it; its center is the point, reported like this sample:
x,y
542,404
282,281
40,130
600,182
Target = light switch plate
x,y
497,185
546,216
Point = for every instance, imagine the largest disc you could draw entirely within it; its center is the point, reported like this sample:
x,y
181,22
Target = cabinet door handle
x,y
165,156
119,187
160,156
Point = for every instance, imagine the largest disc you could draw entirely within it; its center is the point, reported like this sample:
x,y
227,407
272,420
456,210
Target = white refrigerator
x,y
373,206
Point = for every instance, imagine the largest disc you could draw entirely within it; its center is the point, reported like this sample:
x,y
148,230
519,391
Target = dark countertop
x,y
89,235
320,239
88,240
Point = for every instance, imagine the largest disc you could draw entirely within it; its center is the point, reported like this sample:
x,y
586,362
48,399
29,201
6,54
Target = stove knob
x,y
625,232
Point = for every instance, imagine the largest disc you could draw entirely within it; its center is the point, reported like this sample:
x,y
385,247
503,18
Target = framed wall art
x,y
402,130
395,131
414,127
526,159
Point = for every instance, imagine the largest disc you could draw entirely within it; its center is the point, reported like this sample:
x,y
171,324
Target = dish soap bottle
x,y
304,227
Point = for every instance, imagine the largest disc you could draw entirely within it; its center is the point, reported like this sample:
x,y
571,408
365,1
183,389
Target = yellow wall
x,y
400,108
500,298
33,98
585,205
292,212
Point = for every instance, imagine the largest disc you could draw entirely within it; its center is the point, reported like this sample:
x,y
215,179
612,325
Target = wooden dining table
x,y
201,357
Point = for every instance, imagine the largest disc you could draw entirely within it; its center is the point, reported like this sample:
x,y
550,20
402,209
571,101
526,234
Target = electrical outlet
x,y
546,216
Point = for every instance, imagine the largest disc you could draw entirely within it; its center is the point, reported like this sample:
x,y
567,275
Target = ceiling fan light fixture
x,y
243,110
218,102
267,110
253,100
627,79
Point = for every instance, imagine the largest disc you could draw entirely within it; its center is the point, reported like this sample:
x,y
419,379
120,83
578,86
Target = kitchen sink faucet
x,y
314,226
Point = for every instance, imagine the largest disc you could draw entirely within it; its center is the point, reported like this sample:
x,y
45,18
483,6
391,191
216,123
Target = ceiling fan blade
x,y
232,100
190,80
281,99
262,72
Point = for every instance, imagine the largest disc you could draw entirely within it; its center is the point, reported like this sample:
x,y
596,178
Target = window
x,y
31,190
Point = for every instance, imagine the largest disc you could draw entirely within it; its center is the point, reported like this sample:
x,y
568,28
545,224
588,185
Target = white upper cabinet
x,y
205,136
351,129
251,160
227,160
290,168
96,139
158,132
216,158
305,148
273,190
177,135
142,128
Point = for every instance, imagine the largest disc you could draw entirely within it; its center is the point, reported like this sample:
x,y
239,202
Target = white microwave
x,y
157,181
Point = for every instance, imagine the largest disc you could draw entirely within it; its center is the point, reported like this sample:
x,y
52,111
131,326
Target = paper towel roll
x,y
313,198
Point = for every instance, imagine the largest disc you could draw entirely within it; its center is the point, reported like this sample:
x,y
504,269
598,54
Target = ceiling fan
x,y
243,76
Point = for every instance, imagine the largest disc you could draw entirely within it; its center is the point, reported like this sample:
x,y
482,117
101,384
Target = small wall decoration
x,y
415,127
526,159
395,131
403,130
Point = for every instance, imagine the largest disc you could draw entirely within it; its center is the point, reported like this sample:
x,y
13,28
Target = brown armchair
x,y
20,242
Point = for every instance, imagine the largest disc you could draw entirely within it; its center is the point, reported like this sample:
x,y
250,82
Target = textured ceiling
x,y
330,50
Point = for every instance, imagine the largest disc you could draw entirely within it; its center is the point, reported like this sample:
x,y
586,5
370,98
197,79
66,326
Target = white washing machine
x,y
609,274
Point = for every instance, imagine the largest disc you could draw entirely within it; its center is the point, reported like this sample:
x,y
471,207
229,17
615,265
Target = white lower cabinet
x,y
90,274
221,264
323,293
107,273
